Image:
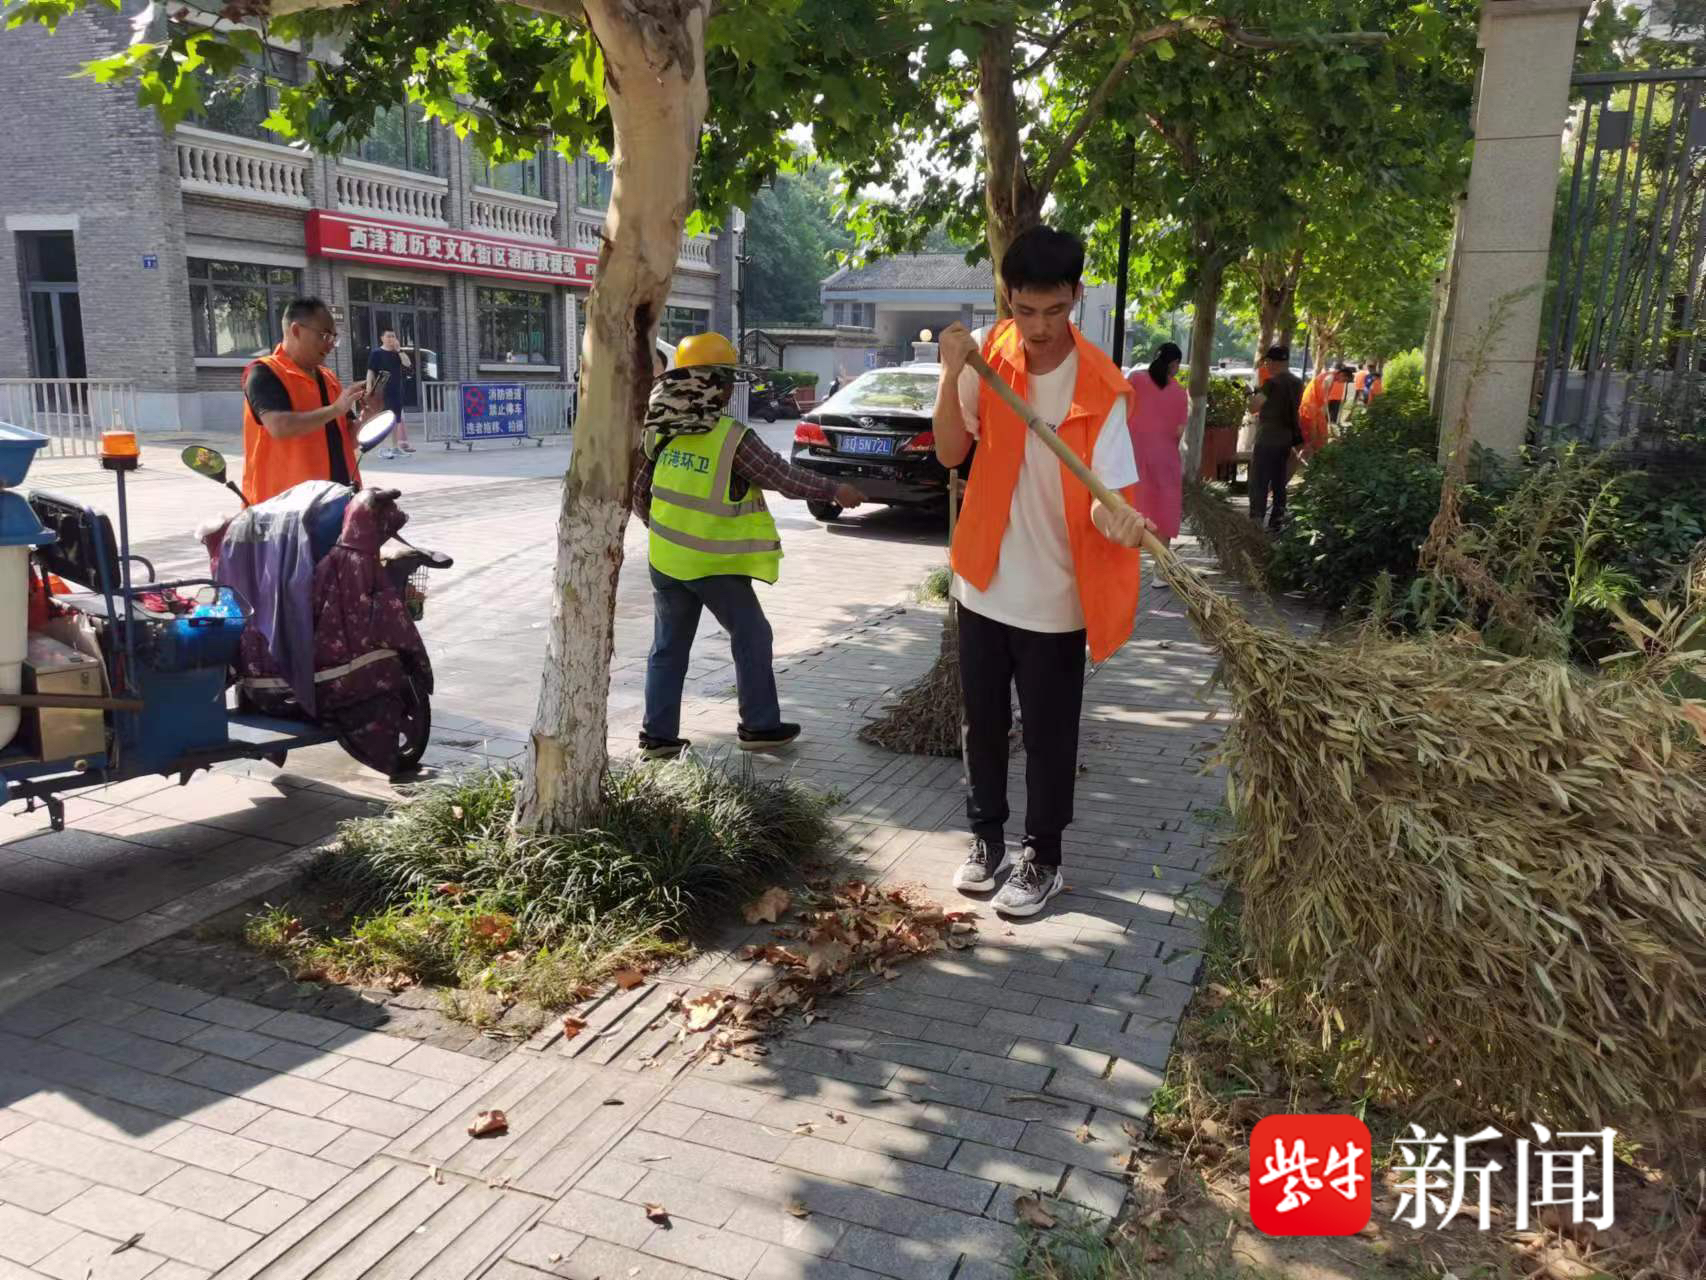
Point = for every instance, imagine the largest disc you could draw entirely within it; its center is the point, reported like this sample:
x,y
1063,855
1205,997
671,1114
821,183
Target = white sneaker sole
x,y
1031,908
965,884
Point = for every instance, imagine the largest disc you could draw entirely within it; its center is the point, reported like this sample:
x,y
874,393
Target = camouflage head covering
x,y
689,401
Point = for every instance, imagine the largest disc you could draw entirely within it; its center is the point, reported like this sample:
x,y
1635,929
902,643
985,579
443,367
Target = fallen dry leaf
x,y
437,1175
496,929
804,1129
1132,1131
553,1258
767,907
450,889
837,1117
628,979
798,1209
1084,1135
613,1102
657,1213
487,1123
703,1010
1032,1213
572,1026
130,1243
1156,1252
829,958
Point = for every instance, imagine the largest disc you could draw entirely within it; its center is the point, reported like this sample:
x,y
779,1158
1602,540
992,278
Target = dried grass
x,y
1482,875
925,719
1238,542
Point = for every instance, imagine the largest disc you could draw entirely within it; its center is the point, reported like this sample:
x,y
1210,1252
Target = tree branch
x,y
1092,110
1051,48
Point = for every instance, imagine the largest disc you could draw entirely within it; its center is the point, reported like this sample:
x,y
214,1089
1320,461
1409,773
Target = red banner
x,y
385,243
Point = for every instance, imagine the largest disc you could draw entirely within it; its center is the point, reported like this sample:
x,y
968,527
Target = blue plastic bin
x,y
17,450
198,641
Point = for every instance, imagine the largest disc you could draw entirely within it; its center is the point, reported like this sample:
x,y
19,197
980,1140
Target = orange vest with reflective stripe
x,y
1108,574
271,465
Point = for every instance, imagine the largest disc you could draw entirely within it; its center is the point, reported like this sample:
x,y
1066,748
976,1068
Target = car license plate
x,y
867,444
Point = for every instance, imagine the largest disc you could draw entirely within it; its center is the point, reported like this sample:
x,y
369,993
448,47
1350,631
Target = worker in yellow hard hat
x,y
701,494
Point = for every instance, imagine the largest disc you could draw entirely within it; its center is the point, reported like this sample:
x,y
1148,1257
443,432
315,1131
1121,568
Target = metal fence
x,y
70,412
1623,318
550,409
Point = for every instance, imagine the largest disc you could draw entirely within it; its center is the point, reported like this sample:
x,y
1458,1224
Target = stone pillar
x,y
1505,224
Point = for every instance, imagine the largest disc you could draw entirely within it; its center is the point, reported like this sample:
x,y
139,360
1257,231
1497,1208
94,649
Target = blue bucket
x,y
17,450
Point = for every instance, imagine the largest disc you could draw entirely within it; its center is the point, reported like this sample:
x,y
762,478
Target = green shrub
x,y
1403,372
1228,398
1398,421
1362,511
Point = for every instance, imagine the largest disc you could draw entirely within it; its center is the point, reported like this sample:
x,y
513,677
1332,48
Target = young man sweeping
x,y
1040,567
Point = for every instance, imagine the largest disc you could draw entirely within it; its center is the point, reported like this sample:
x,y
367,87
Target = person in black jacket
x,y
1278,434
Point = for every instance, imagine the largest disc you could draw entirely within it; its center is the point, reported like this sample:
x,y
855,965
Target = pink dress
x,y
1156,415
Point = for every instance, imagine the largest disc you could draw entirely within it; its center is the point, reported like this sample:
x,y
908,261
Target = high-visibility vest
x,y
1108,575
271,465
698,528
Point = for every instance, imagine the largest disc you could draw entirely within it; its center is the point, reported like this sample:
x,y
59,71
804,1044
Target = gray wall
x,y
75,147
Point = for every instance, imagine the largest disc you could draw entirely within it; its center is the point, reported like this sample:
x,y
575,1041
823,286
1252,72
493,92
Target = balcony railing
x,y
503,213
219,164
392,193
587,226
695,253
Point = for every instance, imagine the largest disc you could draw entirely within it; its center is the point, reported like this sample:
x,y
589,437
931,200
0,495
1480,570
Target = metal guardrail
x,y
550,408
1623,349
70,412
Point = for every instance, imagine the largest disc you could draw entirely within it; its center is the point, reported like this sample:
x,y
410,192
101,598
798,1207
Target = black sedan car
x,y
875,434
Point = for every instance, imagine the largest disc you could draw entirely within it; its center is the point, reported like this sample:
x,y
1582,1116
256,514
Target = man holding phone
x,y
297,416
388,364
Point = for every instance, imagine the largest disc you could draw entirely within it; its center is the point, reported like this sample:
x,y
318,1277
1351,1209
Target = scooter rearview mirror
x,y
205,462
375,429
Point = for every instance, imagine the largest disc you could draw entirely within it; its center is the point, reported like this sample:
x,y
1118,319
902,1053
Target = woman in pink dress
x,y
1159,407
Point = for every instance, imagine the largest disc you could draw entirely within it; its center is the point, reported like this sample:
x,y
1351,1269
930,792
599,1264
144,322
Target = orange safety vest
x,y
1336,388
1108,575
271,465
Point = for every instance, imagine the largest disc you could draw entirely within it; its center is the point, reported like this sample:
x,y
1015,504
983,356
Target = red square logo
x,y
1309,1175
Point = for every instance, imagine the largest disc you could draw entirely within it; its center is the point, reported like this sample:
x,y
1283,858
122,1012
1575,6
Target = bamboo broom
x,y
1482,876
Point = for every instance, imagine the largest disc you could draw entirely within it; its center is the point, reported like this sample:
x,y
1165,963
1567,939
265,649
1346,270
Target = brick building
x,y
164,257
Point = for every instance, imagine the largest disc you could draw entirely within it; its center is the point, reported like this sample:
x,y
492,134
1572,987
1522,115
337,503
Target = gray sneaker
x,y
1029,888
986,860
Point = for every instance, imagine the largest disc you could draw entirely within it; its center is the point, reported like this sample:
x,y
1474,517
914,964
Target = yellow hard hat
x,y
705,348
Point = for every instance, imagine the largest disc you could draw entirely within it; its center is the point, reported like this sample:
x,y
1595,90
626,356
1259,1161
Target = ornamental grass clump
x,y
1483,876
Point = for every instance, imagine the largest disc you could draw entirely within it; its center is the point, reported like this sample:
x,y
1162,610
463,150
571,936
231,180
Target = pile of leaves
x,y
832,940
925,719
1238,542
1482,872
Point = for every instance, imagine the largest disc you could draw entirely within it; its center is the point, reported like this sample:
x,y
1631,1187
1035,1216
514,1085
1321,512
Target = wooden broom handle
x,y
1070,460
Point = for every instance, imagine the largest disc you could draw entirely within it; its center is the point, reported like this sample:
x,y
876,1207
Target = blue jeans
x,y
676,605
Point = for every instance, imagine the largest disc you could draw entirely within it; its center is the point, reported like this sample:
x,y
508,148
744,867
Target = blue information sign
x,y
494,411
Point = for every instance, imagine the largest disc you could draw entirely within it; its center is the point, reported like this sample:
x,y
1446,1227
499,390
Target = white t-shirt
x,y
1034,586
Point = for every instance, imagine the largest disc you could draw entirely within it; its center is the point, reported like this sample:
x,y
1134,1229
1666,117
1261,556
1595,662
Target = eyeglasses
x,y
331,337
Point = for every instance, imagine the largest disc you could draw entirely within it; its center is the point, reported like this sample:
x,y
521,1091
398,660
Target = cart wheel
x,y
55,813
